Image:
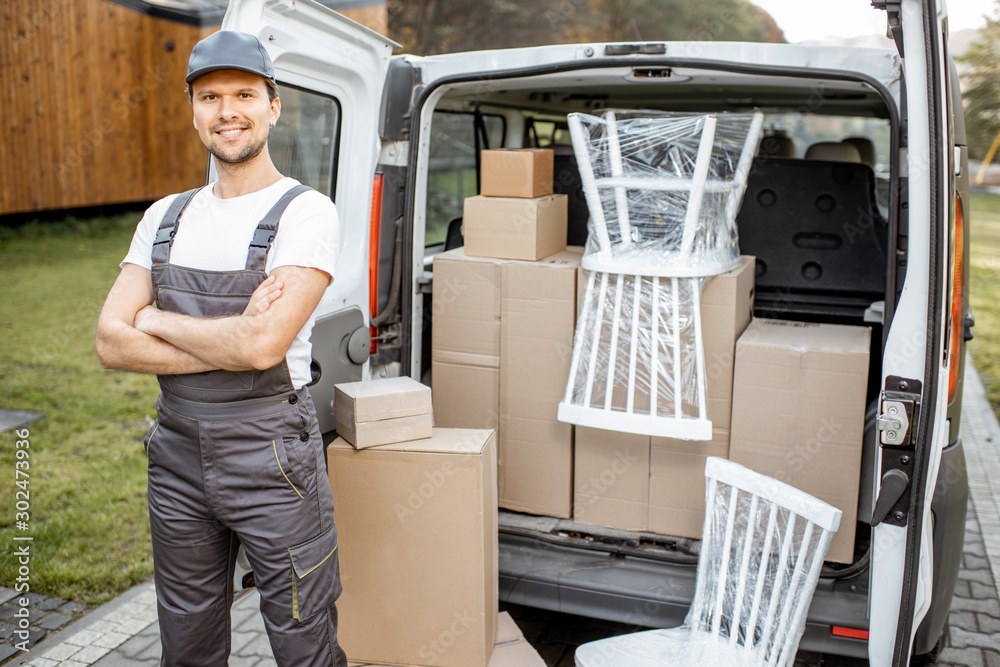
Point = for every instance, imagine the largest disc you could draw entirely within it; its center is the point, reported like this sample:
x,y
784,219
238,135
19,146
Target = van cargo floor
x,y
580,535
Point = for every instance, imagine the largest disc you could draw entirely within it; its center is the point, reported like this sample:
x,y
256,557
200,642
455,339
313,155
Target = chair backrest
x,y
763,544
663,189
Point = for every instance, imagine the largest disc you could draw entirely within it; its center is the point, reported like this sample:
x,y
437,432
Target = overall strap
x,y
164,240
263,236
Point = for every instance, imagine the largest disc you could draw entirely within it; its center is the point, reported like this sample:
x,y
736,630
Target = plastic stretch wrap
x,y
638,364
763,544
663,189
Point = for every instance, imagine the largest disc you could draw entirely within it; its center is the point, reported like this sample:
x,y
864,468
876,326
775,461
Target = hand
x,y
144,319
265,294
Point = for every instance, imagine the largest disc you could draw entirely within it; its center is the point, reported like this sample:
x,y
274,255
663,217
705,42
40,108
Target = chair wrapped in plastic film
x,y
763,545
663,191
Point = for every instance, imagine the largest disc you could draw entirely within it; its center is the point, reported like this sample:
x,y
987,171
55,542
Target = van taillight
x,y
373,256
853,633
956,334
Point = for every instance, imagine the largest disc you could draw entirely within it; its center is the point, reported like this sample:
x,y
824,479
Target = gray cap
x,y
228,49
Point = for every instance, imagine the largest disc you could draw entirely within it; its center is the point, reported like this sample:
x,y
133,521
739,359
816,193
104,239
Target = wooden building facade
x,y
96,108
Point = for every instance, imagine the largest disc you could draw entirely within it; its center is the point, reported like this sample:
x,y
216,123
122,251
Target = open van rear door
x,y
913,427
330,71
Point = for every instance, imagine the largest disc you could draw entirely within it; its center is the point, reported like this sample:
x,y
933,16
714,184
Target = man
x,y
236,270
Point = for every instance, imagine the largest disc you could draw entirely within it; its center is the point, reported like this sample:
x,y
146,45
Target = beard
x,y
243,154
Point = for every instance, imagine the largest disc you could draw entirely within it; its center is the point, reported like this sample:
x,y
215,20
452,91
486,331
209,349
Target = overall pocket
x,y
315,575
148,438
288,467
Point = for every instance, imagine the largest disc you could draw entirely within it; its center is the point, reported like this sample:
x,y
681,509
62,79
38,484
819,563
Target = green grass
x,y
87,476
985,291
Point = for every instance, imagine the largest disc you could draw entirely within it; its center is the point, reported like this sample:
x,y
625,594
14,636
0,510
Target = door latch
x,y
893,424
896,425
899,407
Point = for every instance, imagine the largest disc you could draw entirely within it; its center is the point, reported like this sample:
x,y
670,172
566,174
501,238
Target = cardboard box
x,y
537,320
511,649
501,346
465,341
417,528
611,479
513,228
726,310
677,483
517,172
381,411
799,411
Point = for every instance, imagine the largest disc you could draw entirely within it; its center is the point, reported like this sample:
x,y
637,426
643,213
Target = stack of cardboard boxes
x,y
503,324
504,313
416,505
416,513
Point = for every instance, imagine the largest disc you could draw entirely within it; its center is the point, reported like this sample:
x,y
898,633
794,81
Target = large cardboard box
x,y
611,479
517,172
677,482
511,649
377,412
726,310
417,529
465,341
799,411
538,316
515,228
501,346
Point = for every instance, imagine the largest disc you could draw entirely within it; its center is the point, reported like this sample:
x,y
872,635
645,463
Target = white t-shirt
x,y
214,235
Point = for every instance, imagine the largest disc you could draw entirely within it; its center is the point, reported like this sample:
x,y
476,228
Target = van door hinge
x,y
895,22
899,408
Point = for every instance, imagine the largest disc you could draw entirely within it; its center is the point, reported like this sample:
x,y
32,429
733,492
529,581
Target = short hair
x,y
272,90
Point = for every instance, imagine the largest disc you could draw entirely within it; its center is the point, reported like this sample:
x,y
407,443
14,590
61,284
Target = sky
x,y
804,20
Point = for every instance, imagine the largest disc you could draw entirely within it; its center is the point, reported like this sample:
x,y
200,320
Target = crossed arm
x,y
133,335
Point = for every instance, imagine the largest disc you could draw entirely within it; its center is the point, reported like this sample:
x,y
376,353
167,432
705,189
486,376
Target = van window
x,y
452,173
303,144
546,133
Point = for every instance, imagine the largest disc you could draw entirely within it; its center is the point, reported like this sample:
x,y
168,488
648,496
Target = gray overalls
x,y
237,457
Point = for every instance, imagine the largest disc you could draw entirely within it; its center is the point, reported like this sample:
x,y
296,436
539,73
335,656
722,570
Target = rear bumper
x,y
650,593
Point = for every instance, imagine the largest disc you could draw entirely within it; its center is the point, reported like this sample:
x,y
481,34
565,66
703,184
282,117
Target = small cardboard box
x,y
417,529
517,172
611,479
381,411
799,411
513,228
511,649
677,482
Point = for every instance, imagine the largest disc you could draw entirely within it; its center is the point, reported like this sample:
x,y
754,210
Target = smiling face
x,y
233,114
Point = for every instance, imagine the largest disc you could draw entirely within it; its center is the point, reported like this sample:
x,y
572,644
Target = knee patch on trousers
x,y
315,575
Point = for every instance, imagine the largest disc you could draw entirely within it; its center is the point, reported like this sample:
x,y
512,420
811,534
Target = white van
x,y
394,140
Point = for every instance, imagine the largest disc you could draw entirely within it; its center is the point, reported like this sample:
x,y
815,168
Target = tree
x,y
982,87
441,26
